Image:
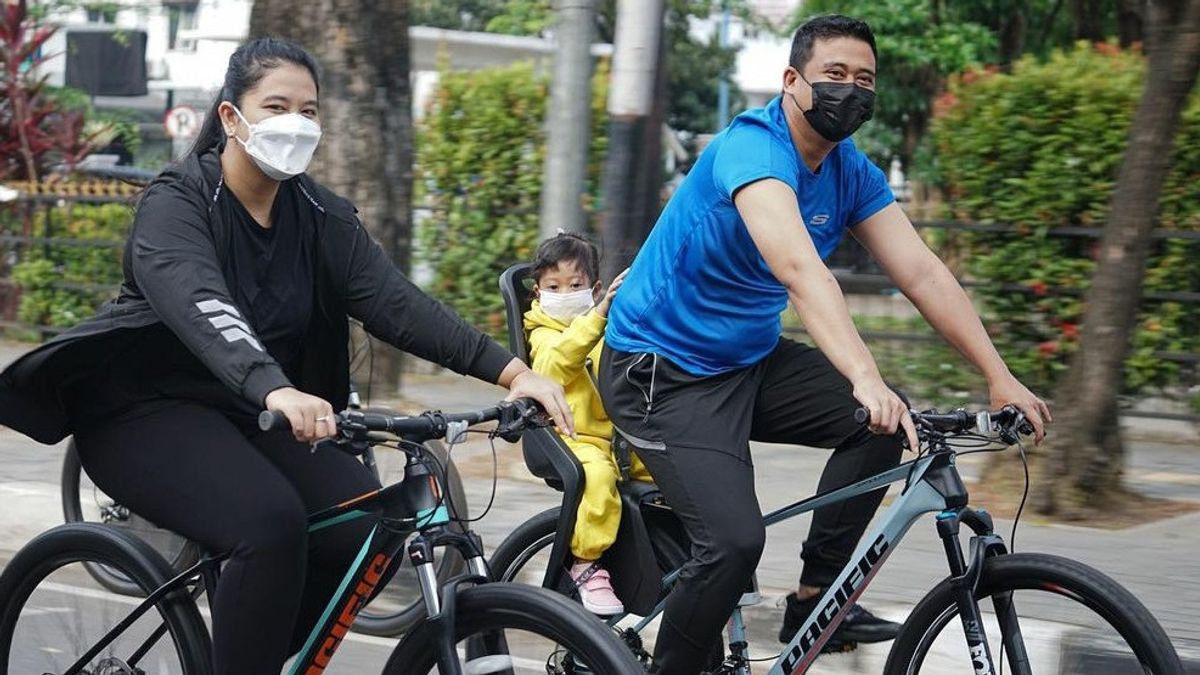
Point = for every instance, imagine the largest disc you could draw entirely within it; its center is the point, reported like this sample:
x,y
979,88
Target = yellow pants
x,y
599,513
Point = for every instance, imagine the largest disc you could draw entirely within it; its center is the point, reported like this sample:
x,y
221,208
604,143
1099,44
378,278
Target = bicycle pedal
x,y
839,647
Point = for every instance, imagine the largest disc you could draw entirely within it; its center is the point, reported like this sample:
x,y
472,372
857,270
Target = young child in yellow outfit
x,y
566,327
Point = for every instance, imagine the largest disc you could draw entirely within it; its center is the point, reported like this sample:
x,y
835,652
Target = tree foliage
x,y
480,150
1040,148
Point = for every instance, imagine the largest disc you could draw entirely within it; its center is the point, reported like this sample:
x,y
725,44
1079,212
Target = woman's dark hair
x,y
247,67
827,27
567,246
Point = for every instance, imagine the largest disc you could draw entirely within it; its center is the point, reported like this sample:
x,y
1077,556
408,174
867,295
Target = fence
x,y
41,227
61,243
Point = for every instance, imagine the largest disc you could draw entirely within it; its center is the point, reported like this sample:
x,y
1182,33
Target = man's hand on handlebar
x,y
1009,391
887,410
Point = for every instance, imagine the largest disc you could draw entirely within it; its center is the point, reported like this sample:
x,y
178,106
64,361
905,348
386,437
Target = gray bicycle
x,y
1031,612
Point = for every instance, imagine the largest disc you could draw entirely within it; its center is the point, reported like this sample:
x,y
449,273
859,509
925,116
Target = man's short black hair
x,y
563,247
827,27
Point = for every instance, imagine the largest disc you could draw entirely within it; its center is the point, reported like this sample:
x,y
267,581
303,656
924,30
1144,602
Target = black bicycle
x,y
390,613
1043,613
53,621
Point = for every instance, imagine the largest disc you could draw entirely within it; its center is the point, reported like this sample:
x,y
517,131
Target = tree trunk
x,y
1130,19
1012,36
1088,20
647,198
366,153
1086,458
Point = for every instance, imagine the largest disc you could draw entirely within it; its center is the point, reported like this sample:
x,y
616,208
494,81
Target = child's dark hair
x,y
563,247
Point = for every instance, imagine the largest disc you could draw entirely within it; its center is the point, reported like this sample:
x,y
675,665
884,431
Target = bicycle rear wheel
x,y
51,612
1061,617
524,554
518,630
83,501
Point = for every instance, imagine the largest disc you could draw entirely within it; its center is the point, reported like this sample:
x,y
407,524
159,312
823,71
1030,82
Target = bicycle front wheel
x,y
1043,614
517,630
52,615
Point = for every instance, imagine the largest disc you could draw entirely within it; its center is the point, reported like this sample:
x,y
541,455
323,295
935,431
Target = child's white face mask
x,y
566,306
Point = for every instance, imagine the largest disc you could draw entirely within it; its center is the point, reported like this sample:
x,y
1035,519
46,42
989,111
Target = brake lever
x,y
517,418
1011,433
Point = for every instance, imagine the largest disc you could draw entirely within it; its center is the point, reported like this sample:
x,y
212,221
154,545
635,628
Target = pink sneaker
x,y
595,589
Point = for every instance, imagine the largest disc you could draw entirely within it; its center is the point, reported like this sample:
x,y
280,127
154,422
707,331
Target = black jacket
x,y
177,272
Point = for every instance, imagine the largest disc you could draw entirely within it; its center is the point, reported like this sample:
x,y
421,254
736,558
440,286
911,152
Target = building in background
x,y
188,44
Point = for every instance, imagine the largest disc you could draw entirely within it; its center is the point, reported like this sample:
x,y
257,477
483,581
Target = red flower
x,y
1070,331
1047,348
1038,287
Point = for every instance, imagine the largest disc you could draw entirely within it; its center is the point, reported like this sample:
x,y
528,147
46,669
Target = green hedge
x,y
46,268
1039,148
479,154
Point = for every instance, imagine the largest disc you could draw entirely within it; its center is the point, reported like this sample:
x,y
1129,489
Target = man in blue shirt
x,y
694,366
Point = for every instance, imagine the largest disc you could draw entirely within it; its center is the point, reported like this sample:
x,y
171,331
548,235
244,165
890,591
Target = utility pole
x,y
635,63
723,83
568,121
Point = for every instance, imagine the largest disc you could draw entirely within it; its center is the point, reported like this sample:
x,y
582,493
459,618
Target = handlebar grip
x,y
862,416
273,420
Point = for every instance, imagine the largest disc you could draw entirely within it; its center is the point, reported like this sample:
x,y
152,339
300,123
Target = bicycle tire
x,y
90,542
522,543
1038,572
496,607
449,564
181,553
537,533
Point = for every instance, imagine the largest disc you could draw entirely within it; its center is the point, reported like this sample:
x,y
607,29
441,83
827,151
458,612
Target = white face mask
x,y
566,306
281,145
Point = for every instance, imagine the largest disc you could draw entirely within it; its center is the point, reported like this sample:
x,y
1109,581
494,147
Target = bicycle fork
x,y
965,579
440,602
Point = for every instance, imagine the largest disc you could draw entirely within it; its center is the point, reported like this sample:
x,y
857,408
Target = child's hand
x,y
602,308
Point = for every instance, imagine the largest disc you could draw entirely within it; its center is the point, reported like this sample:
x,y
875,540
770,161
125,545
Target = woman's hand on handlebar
x,y
888,411
312,418
548,393
1009,391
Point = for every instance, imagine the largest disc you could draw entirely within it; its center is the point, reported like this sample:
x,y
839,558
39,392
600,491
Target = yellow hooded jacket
x,y
560,352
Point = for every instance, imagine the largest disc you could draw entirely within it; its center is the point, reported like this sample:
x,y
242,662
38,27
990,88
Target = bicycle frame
x,y
375,561
932,485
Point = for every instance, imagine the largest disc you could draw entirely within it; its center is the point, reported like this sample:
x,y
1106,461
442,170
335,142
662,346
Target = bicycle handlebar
x,y
514,417
1008,421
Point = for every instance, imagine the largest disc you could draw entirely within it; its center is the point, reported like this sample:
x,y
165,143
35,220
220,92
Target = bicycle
x,y
1107,616
506,627
391,613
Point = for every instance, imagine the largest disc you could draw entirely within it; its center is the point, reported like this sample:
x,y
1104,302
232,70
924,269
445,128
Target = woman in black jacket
x,y
240,273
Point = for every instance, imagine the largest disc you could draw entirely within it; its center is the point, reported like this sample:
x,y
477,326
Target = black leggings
x,y
190,469
695,435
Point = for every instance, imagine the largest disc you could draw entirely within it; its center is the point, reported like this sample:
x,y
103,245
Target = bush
x,y
479,167
1039,148
62,285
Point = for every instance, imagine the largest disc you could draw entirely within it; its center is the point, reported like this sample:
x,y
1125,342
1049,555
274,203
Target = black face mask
x,y
839,108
